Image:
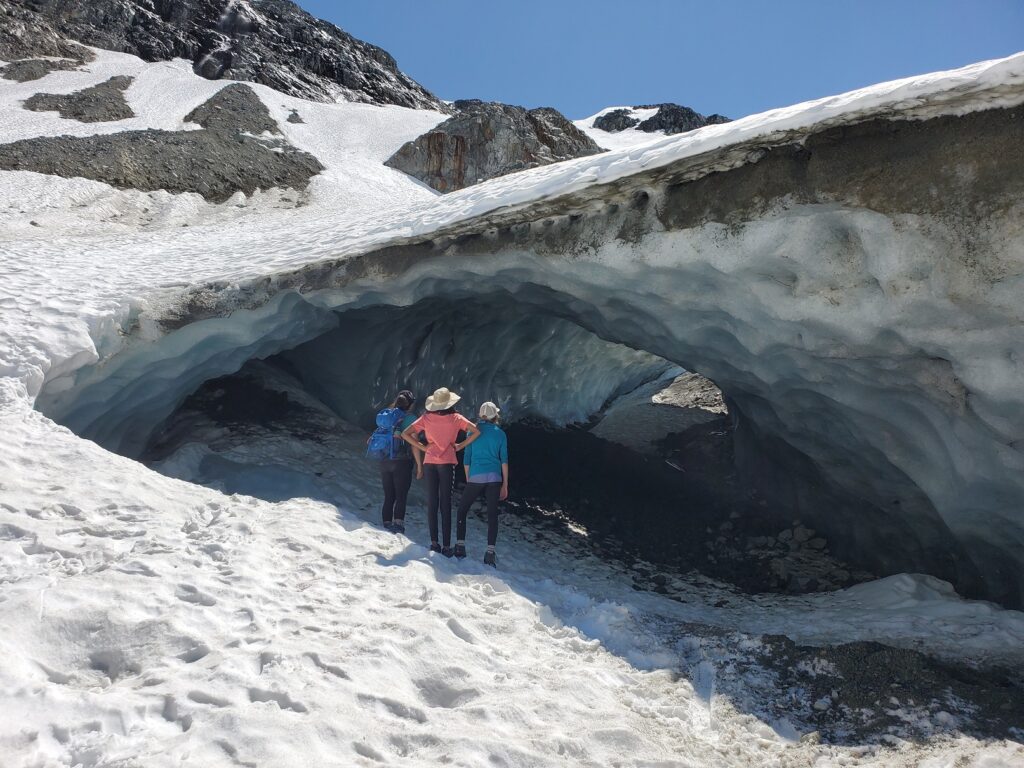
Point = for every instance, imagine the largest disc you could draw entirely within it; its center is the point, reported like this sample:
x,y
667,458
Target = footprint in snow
x,y
330,668
172,714
201,697
189,594
194,653
366,750
135,568
396,708
437,693
461,632
283,700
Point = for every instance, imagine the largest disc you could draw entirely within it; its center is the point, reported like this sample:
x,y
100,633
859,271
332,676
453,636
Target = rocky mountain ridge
x,y
272,42
669,119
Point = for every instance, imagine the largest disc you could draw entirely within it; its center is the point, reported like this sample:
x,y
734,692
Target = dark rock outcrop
x,y
100,103
674,118
615,121
224,158
273,42
669,119
25,35
488,139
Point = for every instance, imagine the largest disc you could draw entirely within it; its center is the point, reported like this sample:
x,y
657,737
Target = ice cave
x,y
811,282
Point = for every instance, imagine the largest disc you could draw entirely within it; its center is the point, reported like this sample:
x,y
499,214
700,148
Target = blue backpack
x,y
384,443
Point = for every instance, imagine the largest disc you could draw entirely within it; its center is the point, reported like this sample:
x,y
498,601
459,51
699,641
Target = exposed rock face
x,y
100,103
488,139
669,119
273,42
674,118
615,121
216,162
25,35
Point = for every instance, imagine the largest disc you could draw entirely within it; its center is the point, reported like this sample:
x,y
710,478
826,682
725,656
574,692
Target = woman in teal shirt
x,y
486,462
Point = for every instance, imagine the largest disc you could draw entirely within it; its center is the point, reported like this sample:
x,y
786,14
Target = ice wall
x,y
855,293
487,347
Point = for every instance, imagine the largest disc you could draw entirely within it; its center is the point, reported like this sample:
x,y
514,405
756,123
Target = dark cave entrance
x,y
617,445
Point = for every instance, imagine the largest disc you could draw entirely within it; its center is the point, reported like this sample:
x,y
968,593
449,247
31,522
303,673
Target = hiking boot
x,y
389,526
447,551
398,526
460,551
435,547
490,559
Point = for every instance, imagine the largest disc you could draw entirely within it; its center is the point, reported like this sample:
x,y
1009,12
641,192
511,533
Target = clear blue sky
x,y
735,57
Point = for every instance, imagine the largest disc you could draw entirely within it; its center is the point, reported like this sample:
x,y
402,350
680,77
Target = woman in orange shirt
x,y
441,424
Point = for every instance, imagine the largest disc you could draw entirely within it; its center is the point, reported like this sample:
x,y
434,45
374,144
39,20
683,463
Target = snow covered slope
x,y
151,621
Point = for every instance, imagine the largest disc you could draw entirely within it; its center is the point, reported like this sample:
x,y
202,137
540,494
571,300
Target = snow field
x,y
164,623
150,621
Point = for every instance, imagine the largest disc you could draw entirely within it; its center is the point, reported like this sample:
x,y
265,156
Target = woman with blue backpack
x,y
396,458
486,463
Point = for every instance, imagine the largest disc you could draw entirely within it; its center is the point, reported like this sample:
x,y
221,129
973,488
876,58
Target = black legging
x,y
470,493
396,477
439,493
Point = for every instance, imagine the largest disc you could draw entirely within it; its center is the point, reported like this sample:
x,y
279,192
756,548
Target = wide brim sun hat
x,y
442,399
489,411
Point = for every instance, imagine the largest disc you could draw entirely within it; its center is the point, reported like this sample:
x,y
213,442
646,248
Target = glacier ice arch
x,y
855,292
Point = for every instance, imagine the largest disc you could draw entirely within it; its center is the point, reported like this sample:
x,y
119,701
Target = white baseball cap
x,y
489,411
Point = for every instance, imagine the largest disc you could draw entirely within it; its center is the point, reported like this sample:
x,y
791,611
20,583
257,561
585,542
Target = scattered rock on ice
x,y
234,109
845,692
227,157
100,103
25,70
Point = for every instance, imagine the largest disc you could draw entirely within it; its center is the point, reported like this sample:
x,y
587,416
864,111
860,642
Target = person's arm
x,y
503,458
408,436
417,456
472,433
467,460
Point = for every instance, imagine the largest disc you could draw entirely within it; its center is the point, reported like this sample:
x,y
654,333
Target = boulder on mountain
x,y
675,118
615,121
487,139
